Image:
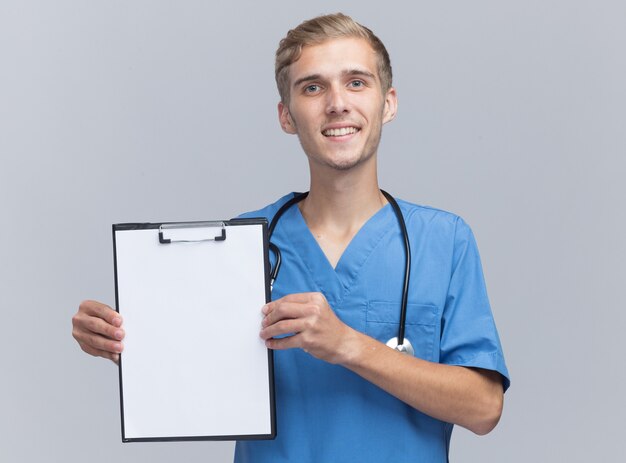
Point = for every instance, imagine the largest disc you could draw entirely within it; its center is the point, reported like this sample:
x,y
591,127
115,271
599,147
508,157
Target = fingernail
x,y
118,348
265,309
119,334
117,321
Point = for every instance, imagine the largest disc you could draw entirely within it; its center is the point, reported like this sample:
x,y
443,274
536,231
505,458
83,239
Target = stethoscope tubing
x,y
407,252
296,199
407,265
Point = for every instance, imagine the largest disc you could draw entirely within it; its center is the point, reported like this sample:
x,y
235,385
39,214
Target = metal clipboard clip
x,y
194,236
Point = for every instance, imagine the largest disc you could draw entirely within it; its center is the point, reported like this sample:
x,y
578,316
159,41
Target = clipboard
x,y
194,366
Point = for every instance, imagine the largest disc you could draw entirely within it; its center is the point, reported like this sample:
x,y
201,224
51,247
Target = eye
x,y
311,88
356,83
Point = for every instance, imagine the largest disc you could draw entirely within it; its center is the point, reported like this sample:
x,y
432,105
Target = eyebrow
x,y
347,72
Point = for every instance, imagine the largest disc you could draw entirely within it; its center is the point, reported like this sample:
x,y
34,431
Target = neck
x,y
342,199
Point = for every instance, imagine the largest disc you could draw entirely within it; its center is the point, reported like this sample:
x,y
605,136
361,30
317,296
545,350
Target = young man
x,y
341,393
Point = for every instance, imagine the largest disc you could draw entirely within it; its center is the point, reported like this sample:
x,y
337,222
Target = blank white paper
x,y
193,363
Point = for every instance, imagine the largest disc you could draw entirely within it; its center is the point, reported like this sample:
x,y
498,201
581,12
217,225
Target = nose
x,y
337,101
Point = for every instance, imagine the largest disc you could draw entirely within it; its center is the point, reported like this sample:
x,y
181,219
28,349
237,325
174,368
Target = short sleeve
x,y
468,332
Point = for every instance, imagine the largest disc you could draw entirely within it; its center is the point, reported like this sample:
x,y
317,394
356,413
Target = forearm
x,y
471,398
468,397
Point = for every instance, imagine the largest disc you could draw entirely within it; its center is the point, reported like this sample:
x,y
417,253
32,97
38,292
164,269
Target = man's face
x,y
336,105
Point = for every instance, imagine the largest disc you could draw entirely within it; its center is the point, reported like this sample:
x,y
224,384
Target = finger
x,y
290,342
85,323
285,310
295,297
101,353
96,341
102,311
99,326
300,297
282,327
317,299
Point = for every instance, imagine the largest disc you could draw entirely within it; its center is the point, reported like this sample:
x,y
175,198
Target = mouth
x,y
340,132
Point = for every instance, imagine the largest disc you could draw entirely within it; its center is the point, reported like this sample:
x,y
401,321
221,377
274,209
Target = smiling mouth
x,y
340,132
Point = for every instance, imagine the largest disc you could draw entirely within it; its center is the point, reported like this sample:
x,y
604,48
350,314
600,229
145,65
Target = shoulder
x,y
432,218
442,230
268,211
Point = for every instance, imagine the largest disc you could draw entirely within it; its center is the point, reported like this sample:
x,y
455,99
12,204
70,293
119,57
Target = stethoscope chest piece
x,y
405,347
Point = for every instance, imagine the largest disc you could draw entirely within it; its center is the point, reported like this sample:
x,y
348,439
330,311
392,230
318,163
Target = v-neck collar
x,y
337,282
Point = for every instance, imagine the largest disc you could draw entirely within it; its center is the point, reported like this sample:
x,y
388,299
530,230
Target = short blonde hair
x,y
317,30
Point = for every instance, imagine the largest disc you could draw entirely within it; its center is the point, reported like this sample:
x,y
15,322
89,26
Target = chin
x,y
337,164
344,164
341,163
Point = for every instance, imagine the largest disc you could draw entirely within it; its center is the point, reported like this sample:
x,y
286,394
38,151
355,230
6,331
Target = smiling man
x,y
337,105
341,393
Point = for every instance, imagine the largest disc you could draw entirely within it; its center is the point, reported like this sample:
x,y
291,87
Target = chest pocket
x,y
382,321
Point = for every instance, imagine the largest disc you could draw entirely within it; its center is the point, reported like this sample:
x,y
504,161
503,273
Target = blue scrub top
x,y
326,413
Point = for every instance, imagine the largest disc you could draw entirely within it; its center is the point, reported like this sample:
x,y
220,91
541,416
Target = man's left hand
x,y
311,324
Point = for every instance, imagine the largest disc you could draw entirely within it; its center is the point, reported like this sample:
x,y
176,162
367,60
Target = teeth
x,y
340,132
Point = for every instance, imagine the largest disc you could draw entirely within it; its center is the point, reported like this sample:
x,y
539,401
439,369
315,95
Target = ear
x,y
286,122
391,105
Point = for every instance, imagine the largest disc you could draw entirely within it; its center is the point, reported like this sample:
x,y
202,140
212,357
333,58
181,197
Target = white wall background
x,y
512,114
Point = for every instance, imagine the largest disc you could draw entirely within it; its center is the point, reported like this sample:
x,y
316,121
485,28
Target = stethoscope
x,y
398,343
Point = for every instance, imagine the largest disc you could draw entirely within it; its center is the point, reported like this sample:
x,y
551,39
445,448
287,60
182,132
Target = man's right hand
x,y
98,330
